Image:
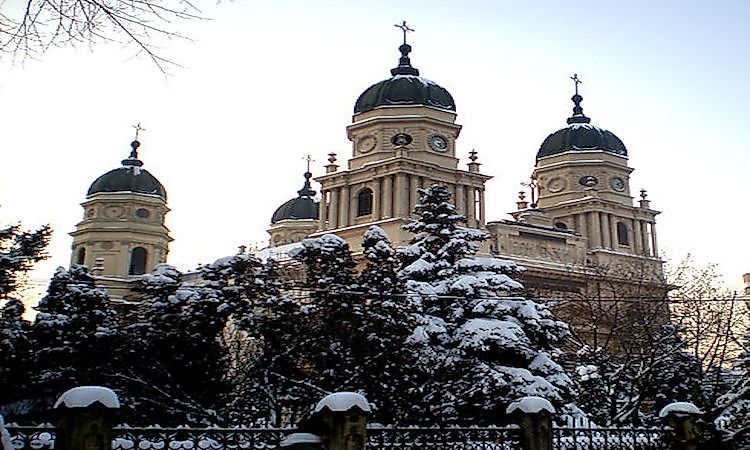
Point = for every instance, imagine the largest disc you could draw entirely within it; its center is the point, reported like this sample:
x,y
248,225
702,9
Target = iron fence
x,y
32,438
152,438
592,438
470,438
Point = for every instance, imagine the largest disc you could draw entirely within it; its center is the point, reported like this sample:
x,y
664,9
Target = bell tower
x,y
122,233
403,136
583,181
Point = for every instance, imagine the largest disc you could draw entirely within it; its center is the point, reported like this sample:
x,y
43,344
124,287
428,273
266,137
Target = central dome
x,y
405,87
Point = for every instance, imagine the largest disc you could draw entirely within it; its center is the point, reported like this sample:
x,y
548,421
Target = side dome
x,y
580,135
129,178
302,207
405,87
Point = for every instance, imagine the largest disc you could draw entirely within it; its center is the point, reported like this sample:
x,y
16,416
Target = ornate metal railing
x,y
567,438
32,438
474,438
152,438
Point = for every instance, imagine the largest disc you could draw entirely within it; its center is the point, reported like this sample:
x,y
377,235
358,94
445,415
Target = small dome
x,y
580,135
129,178
405,87
303,206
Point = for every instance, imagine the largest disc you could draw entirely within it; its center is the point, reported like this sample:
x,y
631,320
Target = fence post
x,y
84,419
345,414
683,418
534,415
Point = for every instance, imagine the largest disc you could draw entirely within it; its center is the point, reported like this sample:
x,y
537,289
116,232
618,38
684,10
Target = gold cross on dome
x,y
309,159
138,129
405,28
576,80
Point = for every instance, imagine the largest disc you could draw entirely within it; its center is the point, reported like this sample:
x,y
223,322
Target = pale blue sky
x,y
266,82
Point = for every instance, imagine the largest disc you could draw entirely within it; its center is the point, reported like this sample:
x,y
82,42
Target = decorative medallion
x,y
589,181
556,184
401,139
143,213
617,184
367,144
107,245
114,212
439,143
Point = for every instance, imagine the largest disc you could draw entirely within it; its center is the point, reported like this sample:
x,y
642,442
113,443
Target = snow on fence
x,y
466,438
626,438
470,438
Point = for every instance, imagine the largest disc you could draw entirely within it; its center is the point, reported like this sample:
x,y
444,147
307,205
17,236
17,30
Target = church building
x,y
580,225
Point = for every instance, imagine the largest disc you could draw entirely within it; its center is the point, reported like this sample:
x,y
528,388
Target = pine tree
x,y
74,333
15,353
19,251
481,350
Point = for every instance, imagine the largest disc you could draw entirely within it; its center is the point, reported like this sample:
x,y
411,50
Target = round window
x,y
142,213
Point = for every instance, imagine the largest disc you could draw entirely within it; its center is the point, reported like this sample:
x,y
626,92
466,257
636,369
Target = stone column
x,y
482,217
582,225
322,211
413,193
402,195
606,238
388,196
654,245
644,238
333,217
83,424
637,237
471,207
376,200
613,232
596,230
460,199
344,208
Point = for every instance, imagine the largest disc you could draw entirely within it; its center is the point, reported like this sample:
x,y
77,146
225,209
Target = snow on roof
x,y
300,438
280,252
343,401
5,441
679,409
530,405
83,396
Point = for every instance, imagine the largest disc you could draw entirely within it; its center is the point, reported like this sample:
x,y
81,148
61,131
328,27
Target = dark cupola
x,y
405,87
131,177
303,206
580,135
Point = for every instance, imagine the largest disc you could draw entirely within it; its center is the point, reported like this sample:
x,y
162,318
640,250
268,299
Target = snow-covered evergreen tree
x,y
15,352
74,333
481,345
19,250
733,408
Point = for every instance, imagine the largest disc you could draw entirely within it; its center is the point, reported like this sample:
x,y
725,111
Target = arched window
x,y
364,202
138,261
81,256
622,234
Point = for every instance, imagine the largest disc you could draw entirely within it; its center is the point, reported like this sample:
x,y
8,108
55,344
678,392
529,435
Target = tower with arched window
x,y
122,233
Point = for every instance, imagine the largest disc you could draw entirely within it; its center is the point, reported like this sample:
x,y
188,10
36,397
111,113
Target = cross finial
x,y
533,186
309,159
644,194
473,155
576,80
138,129
404,28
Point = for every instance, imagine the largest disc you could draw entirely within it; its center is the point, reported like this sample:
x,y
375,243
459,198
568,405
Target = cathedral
x,y
579,226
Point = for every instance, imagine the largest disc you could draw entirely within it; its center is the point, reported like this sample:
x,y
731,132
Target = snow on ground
x,y
83,396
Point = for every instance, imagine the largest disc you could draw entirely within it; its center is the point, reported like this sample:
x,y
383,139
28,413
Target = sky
x,y
262,84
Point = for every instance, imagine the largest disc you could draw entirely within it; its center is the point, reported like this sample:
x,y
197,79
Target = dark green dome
x,y
405,87
303,206
580,135
129,178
